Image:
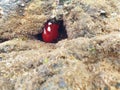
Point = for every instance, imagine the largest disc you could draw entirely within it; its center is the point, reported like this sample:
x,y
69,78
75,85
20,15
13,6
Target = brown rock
x,y
88,60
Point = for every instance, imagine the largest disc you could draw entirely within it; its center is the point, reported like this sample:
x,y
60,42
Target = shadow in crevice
x,y
39,37
3,40
62,31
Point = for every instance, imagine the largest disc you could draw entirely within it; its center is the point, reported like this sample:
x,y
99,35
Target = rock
x,y
21,18
95,66
85,16
27,18
88,59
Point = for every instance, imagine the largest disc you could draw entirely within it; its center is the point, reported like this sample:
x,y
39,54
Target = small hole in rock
x,y
103,14
61,31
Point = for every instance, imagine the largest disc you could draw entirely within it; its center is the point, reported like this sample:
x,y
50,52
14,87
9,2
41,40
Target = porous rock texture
x,y
89,59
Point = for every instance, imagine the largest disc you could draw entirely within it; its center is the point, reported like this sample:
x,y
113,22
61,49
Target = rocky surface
x,y
89,59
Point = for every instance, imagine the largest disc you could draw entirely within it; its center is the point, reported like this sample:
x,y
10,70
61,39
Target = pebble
x,y
117,85
103,13
106,88
0,58
6,48
62,83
